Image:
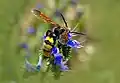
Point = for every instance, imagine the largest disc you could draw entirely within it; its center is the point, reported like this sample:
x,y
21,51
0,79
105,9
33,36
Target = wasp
x,y
62,34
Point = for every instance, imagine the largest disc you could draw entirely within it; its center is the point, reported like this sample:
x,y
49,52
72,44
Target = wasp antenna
x,y
63,19
80,33
75,27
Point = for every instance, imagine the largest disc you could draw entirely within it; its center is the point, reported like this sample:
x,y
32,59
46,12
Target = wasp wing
x,y
44,17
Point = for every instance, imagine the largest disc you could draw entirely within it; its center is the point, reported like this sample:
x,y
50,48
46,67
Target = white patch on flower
x,y
89,49
87,53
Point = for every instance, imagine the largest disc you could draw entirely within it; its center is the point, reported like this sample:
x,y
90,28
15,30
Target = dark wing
x,y
44,17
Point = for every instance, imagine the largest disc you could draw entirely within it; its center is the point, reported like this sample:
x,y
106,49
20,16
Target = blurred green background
x,y
103,24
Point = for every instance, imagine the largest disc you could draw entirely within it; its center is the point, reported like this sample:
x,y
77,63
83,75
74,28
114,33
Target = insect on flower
x,y
62,33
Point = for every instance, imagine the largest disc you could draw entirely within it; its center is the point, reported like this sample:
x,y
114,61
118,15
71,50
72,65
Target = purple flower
x,y
39,6
44,37
69,35
31,30
57,13
74,2
74,44
29,67
24,45
55,50
64,67
58,59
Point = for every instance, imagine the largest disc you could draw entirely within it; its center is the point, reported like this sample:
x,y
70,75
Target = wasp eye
x,y
61,31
